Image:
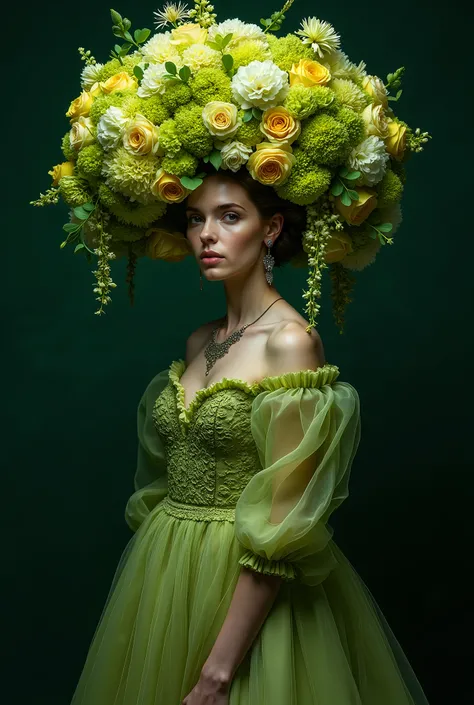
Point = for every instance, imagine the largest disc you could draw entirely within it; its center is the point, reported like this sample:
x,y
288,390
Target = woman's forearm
x,y
252,600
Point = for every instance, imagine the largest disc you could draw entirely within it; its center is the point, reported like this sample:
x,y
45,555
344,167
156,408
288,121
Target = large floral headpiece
x,y
293,110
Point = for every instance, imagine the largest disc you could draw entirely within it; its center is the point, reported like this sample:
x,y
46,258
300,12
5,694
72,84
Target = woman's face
x,y
221,217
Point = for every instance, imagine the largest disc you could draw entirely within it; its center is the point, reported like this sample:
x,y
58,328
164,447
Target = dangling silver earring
x,y
268,262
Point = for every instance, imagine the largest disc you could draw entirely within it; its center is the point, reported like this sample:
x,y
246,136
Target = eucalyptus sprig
x,y
120,28
394,82
219,44
276,19
379,231
183,74
340,188
76,230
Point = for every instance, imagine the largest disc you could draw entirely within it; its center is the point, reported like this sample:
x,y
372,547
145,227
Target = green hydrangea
x,y
89,161
306,182
183,164
288,50
127,233
249,133
210,84
152,108
102,103
68,151
302,101
349,94
169,139
141,216
74,190
248,50
354,124
114,66
400,170
175,96
389,190
193,133
325,139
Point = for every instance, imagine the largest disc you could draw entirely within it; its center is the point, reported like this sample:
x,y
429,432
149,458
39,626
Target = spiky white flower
x,y
158,49
320,34
199,56
239,30
153,81
171,13
370,158
111,126
341,66
90,75
260,84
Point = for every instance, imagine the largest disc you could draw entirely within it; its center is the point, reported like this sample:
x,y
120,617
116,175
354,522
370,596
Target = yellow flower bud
x,y
60,170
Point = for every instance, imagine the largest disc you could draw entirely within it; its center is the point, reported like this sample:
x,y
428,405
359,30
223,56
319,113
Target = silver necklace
x,y
214,350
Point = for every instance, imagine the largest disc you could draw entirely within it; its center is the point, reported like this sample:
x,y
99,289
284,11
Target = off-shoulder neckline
x,y
326,374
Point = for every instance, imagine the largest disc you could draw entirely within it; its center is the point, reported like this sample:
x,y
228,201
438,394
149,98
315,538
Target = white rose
x,y
81,133
375,87
370,158
260,84
234,155
375,120
110,127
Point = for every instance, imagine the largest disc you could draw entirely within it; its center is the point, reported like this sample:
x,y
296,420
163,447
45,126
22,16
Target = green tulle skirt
x,y
322,645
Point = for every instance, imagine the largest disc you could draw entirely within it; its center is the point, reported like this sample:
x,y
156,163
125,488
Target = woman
x,y
231,590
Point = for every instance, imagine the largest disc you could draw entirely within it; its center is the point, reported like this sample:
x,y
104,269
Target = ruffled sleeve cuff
x,y
284,569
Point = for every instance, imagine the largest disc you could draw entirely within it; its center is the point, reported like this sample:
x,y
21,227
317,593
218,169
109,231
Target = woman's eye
x,y
234,214
233,220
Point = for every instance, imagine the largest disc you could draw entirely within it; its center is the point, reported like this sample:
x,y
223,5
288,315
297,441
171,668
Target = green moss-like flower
x,y
353,123
325,139
135,214
114,66
303,101
152,108
399,169
130,175
89,161
74,190
307,180
127,233
193,133
288,50
389,190
68,151
169,139
349,94
210,84
249,133
248,50
176,95
183,164
103,102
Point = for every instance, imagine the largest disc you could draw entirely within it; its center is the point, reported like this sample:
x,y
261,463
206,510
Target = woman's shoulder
x,y
292,347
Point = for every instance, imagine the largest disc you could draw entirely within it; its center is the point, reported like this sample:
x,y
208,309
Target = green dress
x,y
247,475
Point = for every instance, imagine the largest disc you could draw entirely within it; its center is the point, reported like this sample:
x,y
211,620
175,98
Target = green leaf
x,y
337,189
247,115
71,227
214,45
88,207
78,247
171,67
125,48
190,183
343,171
201,175
118,33
80,213
353,195
257,113
117,48
205,159
227,39
385,227
352,175
345,200
215,159
138,72
170,75
141,35
228,61
184,73
373,235
126,23
116,18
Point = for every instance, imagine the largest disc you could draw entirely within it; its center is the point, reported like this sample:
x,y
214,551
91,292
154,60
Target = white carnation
x,y
153,81
158,49
90,75
238,29
199,56
110,127
370,158
260,84
234,154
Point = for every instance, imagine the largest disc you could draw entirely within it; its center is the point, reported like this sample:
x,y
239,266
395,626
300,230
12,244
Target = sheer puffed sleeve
x,y
306,427
150,479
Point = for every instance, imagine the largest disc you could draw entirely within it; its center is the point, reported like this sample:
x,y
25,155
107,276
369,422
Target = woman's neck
x,y
247,296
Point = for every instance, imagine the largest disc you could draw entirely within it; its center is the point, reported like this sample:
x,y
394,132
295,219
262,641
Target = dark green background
x,y
72,379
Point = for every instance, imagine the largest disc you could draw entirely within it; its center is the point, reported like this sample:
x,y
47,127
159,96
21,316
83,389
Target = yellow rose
x,y
221,119
359,210
270,164
80,106
168,187
170,246
395,143
309,73
375,87
118,82
95,90
187,34
81,133
339,245
60,170
141,136
279,126
375,121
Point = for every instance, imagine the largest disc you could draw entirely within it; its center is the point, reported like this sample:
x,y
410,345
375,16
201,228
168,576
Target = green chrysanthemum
x,y
89,161
103,102
193,133
176,96
68,151
169,139
307,180
325,139
288,50
210,84
114,66
302,101
152,108
74,190
249,133
248,50
131,213
349,94
354,125
183,164
133,176
389,190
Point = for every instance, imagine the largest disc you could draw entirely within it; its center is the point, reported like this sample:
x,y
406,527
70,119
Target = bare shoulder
x,y
291,348
198,338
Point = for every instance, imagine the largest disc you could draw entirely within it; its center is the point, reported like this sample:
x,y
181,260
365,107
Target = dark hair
x,y
267,202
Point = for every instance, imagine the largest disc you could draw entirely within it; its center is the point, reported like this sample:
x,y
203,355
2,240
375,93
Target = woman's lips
x,y
211,260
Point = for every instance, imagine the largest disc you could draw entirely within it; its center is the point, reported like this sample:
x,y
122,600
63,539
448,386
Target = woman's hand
x,y
212,688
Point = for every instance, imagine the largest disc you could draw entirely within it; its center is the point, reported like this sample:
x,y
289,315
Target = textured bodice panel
x,y
211,454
